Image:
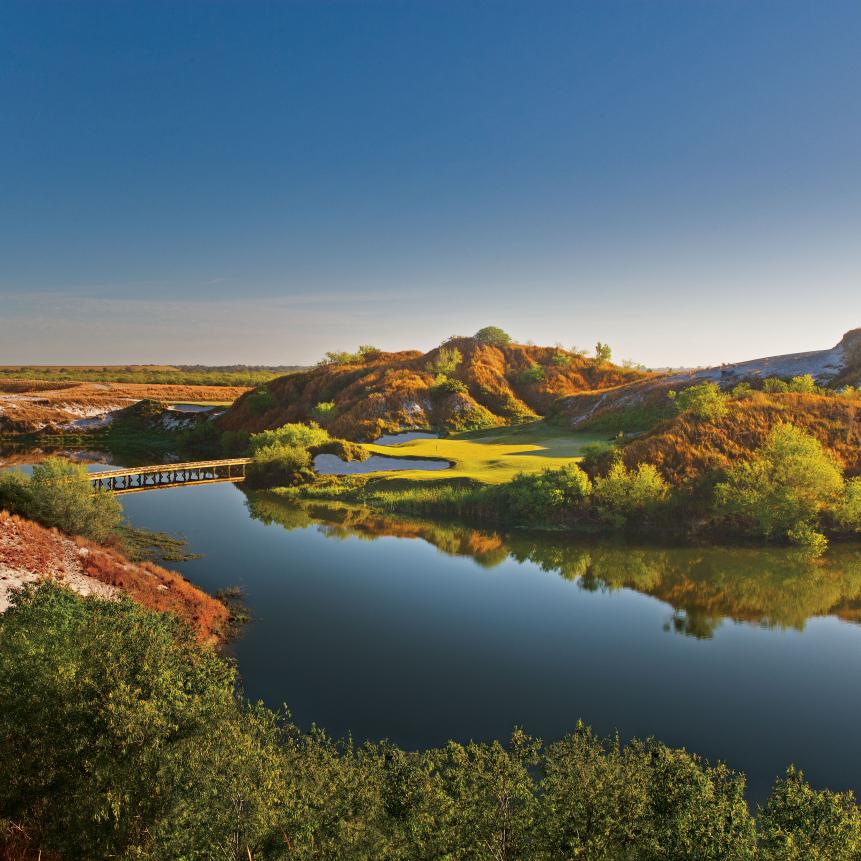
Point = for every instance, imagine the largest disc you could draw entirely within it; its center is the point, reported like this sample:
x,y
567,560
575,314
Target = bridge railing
x,y
132,479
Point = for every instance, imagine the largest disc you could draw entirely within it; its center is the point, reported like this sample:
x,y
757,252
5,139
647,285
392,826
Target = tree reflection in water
x,y
769,586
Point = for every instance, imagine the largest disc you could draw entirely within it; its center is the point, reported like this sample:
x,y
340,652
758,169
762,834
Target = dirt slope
x,y
30,553
390,391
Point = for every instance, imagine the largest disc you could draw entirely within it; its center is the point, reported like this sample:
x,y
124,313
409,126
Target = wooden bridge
x,y
138,478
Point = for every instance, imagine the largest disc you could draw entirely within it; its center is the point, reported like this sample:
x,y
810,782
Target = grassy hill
x,y
362,396
684,448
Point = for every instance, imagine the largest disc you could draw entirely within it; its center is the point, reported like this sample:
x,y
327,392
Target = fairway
x,y
491,456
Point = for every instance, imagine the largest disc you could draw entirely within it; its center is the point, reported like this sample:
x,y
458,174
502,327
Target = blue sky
x,y
261,182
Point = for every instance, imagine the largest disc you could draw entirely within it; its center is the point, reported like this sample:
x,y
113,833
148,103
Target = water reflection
x,y
771,587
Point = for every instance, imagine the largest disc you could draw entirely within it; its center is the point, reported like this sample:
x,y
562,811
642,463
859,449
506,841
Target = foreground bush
x,y
58,493
120,736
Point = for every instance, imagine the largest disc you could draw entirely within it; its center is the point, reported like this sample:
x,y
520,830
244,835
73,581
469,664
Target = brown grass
x,y
685,448
391,391
27,546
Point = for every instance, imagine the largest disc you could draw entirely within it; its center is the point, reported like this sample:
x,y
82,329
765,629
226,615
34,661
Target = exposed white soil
x,y
64,566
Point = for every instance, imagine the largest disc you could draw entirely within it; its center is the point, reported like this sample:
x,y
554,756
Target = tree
x,y
706,401
59,493
783,489
493,335
799,823
603,354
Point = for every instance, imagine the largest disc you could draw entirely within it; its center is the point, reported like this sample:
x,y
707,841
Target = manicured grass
x,y
490,456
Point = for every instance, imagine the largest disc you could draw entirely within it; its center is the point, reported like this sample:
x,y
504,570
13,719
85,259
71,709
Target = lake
x,y
420,632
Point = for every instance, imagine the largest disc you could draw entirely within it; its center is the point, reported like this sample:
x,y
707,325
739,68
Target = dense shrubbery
x,y
705,401
785,488
542,497
58,493
120,736
625,497
260,400
282,457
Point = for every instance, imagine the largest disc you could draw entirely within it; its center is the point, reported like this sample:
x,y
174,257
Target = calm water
x,y
420,632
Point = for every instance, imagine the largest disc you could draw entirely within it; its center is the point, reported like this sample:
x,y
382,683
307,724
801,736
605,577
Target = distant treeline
x,y
187,375
122,737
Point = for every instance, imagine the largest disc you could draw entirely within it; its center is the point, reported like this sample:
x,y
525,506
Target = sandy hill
x,y
646,399
385,392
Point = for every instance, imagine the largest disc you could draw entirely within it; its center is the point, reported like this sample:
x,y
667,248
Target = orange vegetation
x,y
29,552
686,448
390,391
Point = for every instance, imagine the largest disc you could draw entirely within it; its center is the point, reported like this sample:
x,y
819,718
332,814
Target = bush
x,y
324,410
260,400
603,354
59,493
802,824
847,513
804,383
705,401
560,359
443,386
532,374
624,494
783,489
539,497
293,434
775,385
279,465
493,335
447,361
594,453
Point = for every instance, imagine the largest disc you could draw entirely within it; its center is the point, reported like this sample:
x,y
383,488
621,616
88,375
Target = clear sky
x,y
260,182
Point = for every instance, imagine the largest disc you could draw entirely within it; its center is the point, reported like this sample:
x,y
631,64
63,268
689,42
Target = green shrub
x,y
625,494
540,497
847,512
560,359
594,798
447,361
532,374
742,391
603,354
324,410
15,495
260,400
443,386
493,335
799,823
594,453
279,465
804,383
782,490
775,385
292,434
59,493
705,401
